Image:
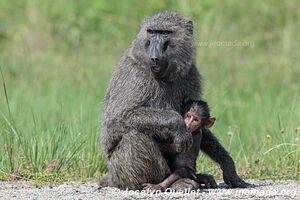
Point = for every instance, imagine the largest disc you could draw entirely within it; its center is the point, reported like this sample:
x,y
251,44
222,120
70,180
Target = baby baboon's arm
x,y
213,148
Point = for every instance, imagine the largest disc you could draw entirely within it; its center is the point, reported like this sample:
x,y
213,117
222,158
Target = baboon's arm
x,y
162,124
212,147
167,149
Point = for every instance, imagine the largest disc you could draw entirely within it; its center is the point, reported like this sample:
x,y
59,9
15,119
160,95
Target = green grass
x,y
57,59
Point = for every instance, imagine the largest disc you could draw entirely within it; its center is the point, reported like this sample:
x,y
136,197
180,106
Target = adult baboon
x,y
154,77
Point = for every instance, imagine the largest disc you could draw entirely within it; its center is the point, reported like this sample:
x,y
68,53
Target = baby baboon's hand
x,y
207,180
234,181
152,187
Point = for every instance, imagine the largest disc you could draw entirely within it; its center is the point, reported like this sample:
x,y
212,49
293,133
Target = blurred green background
x,y
58,56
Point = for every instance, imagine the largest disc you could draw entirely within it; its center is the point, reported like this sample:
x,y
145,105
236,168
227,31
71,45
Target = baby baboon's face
x,y
192,120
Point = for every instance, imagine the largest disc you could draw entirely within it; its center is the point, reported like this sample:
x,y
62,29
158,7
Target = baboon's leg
x,y
136,160
206,180
105,181
185,184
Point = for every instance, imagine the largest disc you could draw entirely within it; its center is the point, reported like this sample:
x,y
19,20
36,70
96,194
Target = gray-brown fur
x,y
143,107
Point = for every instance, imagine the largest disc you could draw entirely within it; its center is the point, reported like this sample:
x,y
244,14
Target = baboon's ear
x,y
190,26
210,122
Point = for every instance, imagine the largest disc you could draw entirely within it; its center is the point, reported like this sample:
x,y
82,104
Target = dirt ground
x,y
264,189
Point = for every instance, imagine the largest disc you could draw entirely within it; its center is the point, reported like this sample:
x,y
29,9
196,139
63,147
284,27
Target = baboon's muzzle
x,y
157,58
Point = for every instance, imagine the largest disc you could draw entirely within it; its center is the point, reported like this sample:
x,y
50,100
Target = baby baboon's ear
x,y
190,26
210,122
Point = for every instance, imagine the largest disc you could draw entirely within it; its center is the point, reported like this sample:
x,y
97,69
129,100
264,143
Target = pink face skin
x,y
192,121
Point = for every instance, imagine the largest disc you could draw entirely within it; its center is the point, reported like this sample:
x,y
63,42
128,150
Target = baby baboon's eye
x,y
187,115
196,120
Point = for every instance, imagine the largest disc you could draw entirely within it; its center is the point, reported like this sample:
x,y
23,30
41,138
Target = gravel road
x,y
266,189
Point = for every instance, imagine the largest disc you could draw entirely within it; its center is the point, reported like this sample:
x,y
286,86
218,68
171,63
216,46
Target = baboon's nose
x,y
154,60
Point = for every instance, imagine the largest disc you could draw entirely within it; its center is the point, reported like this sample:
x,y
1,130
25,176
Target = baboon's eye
x,y
162,32
187,115
147,44
151,31
165,32
166,45
196,120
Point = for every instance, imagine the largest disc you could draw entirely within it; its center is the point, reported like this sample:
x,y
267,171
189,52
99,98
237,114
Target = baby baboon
x,y
144,101
183,165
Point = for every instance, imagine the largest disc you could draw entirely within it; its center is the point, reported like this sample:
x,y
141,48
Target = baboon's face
x,y
195,118
165,45
158,48
192,120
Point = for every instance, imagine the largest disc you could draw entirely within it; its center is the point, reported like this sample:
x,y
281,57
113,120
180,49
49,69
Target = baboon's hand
x,y
235,181
183,142
207,180
153,187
